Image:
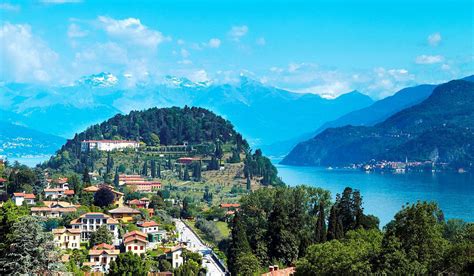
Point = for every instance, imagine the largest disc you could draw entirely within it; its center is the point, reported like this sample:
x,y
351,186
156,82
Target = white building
x,y
108,145
100,257
19,198
174,256
90,222
57,193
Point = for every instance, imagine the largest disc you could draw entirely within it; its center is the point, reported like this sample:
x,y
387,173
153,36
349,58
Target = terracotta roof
x,y
148,224
94,252
124,210
281,272
144,199
93,189
69,192
28,196
57,209
60,203
109,141
54,190
135,238
143,183
109,219
175,248
63,230
133,233
103,246
60,180
2,179
136,202
230,205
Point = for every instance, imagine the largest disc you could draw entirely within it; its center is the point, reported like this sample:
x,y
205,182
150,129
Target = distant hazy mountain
x,y
18,141
261,113
368,116
439,128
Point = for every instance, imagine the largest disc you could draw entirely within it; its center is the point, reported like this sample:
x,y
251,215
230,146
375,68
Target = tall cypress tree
x,y
320,233
249,183
158,171
153,168
331,234
86,179
145,168
186,173
238,244
116,178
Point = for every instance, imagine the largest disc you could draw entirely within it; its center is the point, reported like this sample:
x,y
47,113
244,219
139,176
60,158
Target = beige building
x,y
67,238
135,242
100,257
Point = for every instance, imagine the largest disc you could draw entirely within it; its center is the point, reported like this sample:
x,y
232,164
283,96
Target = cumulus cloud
x,y
434,39
237,32
428,59
214,43
75,31
9,7
25,57
132,31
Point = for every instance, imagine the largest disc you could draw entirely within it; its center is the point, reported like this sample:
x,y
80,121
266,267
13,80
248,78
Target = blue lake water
x,y
384,194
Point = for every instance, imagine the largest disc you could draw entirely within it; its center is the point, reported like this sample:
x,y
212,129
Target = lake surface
x,y
384,194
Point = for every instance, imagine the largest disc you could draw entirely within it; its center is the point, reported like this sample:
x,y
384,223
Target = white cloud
x,y
180,42
434,39
214,43
185,62
74,31
132,31
25,57
9,7
237,32
58,2
261,41
427,59
198,76
445,67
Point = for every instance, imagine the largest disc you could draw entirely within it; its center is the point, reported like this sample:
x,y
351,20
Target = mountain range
x,y
440,128
262,113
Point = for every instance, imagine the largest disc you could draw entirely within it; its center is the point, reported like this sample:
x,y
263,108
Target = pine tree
x,y
346,210
358,210
197,171
321,225
108,165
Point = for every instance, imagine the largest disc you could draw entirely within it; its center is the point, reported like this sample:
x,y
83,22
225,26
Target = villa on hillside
x,y
108,145
143,186
53,209
100,257
125,214
90,222
135,242
19,198
67,238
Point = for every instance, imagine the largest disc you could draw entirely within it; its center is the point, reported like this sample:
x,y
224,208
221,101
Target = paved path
x,y
195,245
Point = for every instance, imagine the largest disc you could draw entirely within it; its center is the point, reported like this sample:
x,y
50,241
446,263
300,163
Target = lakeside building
x,y
67,238
90,222
108,145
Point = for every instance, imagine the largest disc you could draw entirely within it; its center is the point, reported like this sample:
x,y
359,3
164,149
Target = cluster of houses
x,y
57,189
402,167
108,145
100,256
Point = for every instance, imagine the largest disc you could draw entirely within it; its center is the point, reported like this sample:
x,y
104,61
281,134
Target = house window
x,y
141,247
129,248
91,221
135,248
97,221
96,259
104,221
112,227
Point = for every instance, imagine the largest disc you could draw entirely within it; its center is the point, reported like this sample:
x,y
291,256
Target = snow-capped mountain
x,y
182,82
101,80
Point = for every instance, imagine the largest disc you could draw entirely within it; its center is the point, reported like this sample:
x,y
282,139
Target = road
x,y
195,245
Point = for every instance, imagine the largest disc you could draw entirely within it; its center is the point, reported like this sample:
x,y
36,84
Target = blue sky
x,y
324,47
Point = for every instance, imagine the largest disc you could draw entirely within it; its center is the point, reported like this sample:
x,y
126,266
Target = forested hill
x,y
441,128
155,126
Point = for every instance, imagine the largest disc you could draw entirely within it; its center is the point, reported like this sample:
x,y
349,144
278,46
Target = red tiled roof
x,y
94,252
135,238
133,233
109,141
148,223
69,192
2,179
103,246
27,196
124,210
150,183
63,230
